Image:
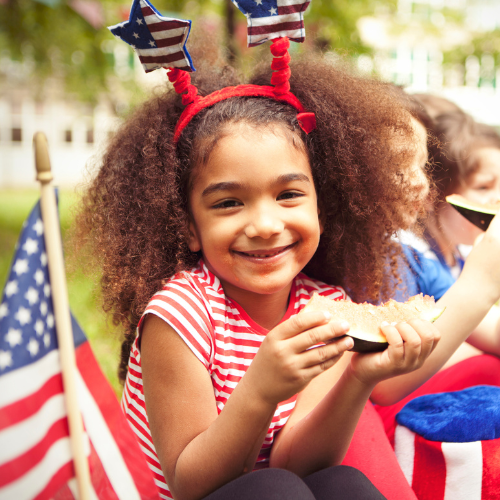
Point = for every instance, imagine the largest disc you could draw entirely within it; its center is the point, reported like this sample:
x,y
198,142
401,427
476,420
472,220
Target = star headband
x,y
160,42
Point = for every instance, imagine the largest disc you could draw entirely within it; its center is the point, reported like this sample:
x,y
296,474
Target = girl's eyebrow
x,y
228,186
221,186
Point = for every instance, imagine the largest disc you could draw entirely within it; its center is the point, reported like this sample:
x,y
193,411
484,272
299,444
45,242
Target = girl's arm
x,y
486,336
467,302
320,429
199,449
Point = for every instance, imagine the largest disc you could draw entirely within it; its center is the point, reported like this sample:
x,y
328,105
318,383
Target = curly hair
x,y
134,213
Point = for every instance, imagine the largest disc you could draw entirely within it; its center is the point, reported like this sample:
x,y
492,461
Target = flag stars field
x,y
31,246
38,227
39,277
33,347
14,337
21,266
5,359
11,288
39,327
23,315
31,296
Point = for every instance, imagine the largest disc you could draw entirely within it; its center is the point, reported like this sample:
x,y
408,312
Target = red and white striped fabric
x,y
222,336
449,471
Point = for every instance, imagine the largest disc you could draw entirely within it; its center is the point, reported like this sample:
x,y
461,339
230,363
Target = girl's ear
x,y
194,241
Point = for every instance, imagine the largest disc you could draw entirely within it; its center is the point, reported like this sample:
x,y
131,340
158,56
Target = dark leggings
x,y
335,483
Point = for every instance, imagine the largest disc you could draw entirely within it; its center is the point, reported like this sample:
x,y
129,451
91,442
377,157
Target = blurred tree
x,y
68,39
333,23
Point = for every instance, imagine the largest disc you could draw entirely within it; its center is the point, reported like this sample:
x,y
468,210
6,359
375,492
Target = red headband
x,y
280,92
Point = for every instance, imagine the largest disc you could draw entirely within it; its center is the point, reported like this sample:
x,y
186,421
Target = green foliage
x,y
334,23
484,43
54,40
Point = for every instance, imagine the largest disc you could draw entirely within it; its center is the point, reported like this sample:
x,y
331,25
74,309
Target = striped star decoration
x,y
268,19
160,42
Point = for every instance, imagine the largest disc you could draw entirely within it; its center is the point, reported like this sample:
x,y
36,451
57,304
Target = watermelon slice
x,y
480,215
365,319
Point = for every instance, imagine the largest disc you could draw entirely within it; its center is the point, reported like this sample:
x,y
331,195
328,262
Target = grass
x,y
15,206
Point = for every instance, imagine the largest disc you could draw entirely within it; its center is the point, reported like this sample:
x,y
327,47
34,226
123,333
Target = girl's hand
x,y
410,344
285,362
482,266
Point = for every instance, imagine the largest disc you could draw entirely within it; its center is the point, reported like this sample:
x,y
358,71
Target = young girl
x,y
202,245
465,159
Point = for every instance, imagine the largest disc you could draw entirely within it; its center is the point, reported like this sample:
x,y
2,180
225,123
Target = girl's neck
x,y
266,310
447,248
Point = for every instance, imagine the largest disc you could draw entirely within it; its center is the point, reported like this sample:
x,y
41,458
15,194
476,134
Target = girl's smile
x,y
265,255
254,212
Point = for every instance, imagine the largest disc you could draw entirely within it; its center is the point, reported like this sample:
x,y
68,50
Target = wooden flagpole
x,y
53,242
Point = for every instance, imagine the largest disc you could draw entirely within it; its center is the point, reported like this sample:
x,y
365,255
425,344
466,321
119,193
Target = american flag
x,y
448,448
160,42
35,455
268,19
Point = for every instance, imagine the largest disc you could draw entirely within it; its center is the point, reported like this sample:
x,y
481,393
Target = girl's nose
x,y
264,224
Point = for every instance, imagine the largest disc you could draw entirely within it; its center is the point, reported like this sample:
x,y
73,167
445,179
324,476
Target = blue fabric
x,y
472,414
421,274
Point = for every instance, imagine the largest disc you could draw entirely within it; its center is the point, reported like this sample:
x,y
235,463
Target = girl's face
x,y
482,186
417,179
254,212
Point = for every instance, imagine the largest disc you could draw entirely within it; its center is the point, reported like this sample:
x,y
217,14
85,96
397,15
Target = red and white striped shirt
x,y
221,335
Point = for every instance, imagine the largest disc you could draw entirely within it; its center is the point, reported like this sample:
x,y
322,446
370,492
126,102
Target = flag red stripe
x,y
25,408
168,42
171,24
272,28
116,421
62,476
491,463
16,468
292,9
64,493
176,56
429,469
100,481
165,26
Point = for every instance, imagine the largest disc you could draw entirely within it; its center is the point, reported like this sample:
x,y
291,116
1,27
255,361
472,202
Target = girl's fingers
x,y
319,335
326,355
301,323
411,343
429,335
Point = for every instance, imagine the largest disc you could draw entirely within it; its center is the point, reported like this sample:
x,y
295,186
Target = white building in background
x,y
409,51
76,132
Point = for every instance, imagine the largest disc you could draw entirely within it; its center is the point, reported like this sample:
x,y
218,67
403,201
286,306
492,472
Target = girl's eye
x,y
482,187
289,195
227,204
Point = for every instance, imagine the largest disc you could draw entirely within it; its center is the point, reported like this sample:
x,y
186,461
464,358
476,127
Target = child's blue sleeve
x,y
422,274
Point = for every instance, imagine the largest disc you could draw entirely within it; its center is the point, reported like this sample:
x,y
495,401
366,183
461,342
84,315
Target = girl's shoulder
x,y
305,287
198,279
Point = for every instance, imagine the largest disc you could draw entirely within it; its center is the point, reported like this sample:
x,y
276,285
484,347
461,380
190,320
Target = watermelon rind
x,y
369,342
433,314
480,216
